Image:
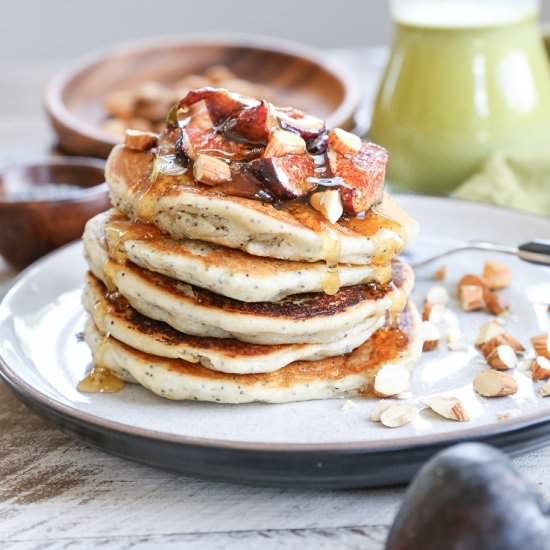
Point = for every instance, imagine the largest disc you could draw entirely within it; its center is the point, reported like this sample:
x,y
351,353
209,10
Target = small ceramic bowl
x,y
297,75
45,205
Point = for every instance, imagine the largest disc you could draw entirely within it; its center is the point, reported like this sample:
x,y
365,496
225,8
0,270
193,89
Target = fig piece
x,y
470,496
221,104
285,177
363,174
252,125
308,127
194,141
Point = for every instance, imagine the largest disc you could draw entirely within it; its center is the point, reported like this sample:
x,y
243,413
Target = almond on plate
x,y
440,274
545,390
496,275
397,415
487,331
503,357
435,313
493,383
392,380
447,406
541,344
540,368
431,336
438,295
470,297
379,408
493,302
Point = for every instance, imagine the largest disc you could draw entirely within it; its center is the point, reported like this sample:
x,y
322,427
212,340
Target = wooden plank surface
x,y
58,493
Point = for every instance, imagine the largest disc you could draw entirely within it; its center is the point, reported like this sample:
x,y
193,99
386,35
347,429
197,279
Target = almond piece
x,y
503,357
431,336
392,380
328,203
456,340
440,274
283,142
140,141
496,275
493,383
471,297
493,302
540,368
502,339
379,408
344,142
447,406
487,331
435,313
438,295
210,170
541,345
545,390
398,415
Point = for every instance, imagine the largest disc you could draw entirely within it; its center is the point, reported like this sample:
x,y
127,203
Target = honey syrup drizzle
x,y
332,252
101,380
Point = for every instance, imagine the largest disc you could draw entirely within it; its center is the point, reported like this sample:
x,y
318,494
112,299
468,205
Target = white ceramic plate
x,y
302,443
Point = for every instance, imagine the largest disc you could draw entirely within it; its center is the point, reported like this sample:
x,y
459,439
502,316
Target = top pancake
x,y
295,231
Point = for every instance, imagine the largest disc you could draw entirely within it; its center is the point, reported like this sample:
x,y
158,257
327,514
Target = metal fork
x,y
536,252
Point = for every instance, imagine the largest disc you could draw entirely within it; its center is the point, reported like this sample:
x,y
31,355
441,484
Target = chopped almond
x,y
488,331
328,203
344,142
140,141
441,273
545,390
541,345
540,368
392,380
456,339
501,339
379,408
496,275
398,415
283,143
493,302
471,297
211,170
447,406
431,336
492,383
438,295
503,357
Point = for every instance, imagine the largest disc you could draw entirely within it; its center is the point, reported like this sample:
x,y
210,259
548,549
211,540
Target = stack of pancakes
x,y
197,293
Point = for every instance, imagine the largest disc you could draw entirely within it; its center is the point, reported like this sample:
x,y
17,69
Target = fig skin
x,y
470,497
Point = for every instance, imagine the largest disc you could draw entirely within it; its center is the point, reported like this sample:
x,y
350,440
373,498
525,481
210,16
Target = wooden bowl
x,y
33,222
298,76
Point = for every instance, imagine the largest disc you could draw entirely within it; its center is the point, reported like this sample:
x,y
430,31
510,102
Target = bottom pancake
x,y
112,314
341,376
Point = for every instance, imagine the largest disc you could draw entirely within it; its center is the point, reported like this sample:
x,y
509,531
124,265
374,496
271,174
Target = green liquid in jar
x,y
453,94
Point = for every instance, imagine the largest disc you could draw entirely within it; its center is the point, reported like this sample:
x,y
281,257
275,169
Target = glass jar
x,y
465,78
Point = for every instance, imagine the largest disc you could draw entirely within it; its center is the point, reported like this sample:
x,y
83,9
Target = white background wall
x,y
62,29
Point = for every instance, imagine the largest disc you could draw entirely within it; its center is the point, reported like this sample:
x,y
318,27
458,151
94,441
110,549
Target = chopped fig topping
x,y
194,141
363,174
306,126
220,103
252,125
286,177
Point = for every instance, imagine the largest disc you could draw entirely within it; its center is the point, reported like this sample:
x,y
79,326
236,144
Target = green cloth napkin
x,y
511,179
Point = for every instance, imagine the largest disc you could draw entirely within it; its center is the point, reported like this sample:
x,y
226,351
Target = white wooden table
x,y
58,493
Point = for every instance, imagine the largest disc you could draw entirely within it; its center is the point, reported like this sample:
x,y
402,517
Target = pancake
x,y
113,315
294,231
341,376
222,270
301,318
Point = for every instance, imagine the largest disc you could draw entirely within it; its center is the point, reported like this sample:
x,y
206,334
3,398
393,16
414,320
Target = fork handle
x,y
535,252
